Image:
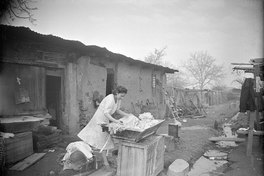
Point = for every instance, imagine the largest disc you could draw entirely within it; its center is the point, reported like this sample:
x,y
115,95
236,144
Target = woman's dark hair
x,y
119,89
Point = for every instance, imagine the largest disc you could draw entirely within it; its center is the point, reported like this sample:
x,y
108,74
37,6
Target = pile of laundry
x,y
133,123
78,155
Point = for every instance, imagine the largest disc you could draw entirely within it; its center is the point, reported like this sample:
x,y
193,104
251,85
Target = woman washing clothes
x,y
92,133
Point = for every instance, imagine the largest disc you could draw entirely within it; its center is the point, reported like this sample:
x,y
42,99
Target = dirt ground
x,y
193,135
242,165
192,143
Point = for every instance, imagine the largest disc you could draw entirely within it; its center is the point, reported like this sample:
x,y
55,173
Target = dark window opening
x,y
109,82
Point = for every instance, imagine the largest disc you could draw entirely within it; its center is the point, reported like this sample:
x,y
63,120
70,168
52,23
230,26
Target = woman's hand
x,y
119,122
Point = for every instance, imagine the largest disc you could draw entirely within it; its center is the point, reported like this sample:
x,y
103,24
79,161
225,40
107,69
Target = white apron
x,y
92,133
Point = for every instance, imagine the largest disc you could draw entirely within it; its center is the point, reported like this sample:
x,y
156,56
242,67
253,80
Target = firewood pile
x,y
185,107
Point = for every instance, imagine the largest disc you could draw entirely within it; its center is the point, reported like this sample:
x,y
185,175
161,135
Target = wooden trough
x,y
135,136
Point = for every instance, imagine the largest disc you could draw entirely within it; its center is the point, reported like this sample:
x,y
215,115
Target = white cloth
x,y
92,133
78,146
130,121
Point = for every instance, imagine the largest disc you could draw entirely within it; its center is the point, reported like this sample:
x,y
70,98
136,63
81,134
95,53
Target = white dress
x,y
92,133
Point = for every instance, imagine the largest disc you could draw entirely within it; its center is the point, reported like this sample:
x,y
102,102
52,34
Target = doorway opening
x,y
53,99
110,80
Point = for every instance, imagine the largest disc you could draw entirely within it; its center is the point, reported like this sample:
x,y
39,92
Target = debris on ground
x,y
240,120
204,166
215,155
178,167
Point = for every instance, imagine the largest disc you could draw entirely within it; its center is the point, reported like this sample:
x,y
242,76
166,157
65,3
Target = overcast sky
x,y
229,30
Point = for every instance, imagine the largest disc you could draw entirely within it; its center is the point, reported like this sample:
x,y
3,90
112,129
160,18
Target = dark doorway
x,y
53,98
110,81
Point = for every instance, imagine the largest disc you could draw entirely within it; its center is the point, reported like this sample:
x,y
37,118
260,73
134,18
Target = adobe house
x,y
43,73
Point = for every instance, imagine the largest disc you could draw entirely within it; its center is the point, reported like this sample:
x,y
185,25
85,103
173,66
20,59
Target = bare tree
x,y
156,57
203,69
11,9
177,80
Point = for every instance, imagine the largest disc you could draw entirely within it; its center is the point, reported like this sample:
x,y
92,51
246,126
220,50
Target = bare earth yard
x,y
192,143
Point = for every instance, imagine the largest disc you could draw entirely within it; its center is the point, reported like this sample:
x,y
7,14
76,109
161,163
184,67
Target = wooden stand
x,y
145,158
250,133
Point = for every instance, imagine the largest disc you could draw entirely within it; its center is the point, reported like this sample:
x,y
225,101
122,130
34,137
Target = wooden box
x,y
173,130
145,158
19,147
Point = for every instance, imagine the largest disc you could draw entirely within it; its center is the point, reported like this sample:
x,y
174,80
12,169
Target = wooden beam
x,y
32,63
241,64
250,133
257,61
217,139
246,69
28,161
255,133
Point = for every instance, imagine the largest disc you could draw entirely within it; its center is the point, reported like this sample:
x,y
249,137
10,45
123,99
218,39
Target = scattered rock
x,y
178,168
204,166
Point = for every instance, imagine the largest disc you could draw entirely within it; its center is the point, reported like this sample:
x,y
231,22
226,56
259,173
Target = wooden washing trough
x,y
135,135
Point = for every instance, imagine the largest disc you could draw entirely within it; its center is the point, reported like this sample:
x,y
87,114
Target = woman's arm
x,y
122,113
111,118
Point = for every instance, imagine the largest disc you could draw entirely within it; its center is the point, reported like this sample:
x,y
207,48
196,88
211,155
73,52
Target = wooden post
x,y
250,133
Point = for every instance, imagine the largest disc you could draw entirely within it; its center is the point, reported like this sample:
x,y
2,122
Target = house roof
x,y
23,34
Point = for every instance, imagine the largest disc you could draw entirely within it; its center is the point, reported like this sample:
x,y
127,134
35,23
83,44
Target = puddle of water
x,y
206,167
215,155
227,133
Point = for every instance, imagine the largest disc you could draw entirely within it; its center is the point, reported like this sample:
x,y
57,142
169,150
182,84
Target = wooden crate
x,y
19,147
145,158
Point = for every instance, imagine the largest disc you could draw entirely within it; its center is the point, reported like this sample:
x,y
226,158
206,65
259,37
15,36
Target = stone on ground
x,y
205,166
178,168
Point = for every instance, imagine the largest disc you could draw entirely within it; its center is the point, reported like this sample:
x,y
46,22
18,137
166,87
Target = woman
x,y
92,133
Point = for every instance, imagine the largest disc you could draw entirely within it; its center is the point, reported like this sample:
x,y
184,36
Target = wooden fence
x,y
192,101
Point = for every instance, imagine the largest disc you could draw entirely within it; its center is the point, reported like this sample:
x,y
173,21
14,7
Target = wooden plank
x,y
216,139
241,64
255,133
250,133
28,162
